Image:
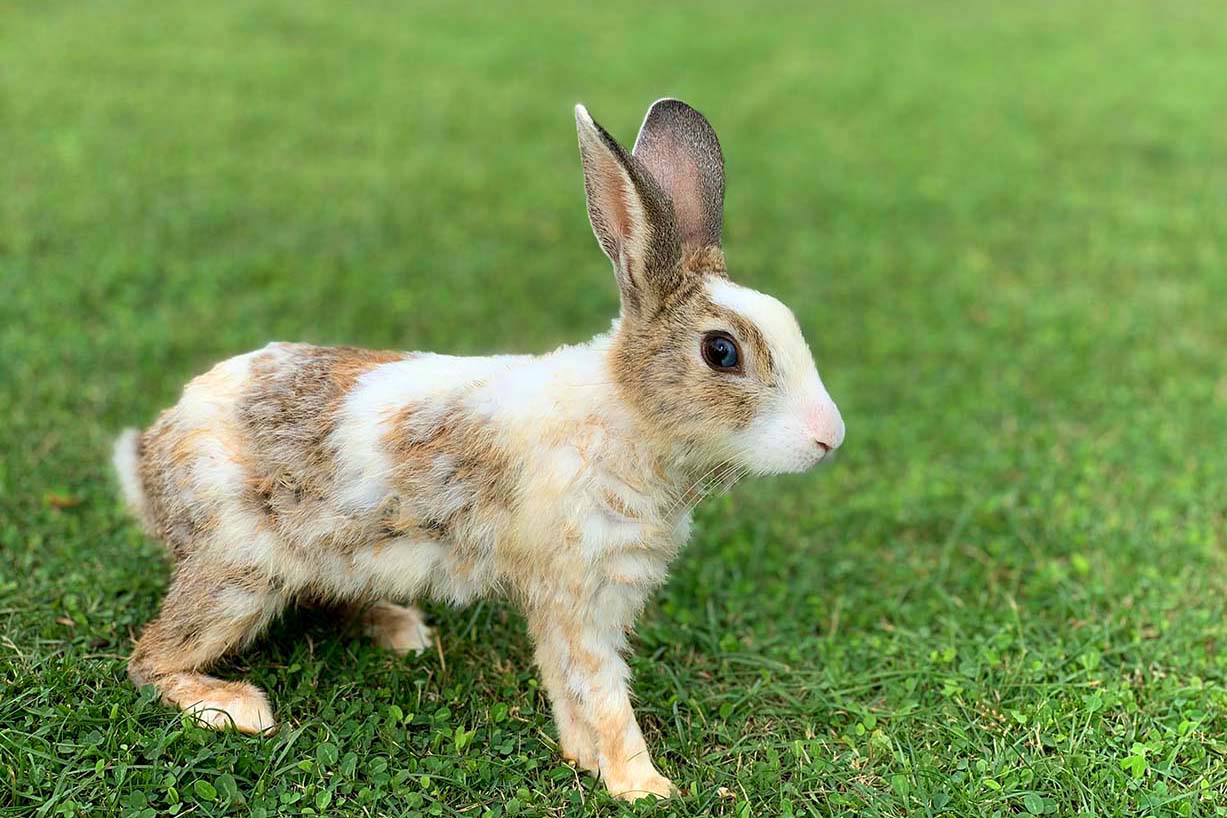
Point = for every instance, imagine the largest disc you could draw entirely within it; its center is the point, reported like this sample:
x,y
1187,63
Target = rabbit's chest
x,y
629,527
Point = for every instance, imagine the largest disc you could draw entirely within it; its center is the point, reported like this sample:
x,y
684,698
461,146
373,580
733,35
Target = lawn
x,y
1003,229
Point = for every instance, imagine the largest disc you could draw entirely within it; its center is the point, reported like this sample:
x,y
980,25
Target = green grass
x,y
1003,228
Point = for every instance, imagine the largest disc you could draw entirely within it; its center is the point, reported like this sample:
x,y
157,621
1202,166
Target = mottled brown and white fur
x,y
563,481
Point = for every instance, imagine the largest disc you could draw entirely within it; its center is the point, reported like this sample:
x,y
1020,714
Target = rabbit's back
x,y
283,460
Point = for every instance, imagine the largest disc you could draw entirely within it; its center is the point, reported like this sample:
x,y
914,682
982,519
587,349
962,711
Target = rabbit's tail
x,y
127,459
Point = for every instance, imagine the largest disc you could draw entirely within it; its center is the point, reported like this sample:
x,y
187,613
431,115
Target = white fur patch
x,y
213,395
364,467
127,468
793,361
401,568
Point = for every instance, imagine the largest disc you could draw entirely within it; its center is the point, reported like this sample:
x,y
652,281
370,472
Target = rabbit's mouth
x,y
823,457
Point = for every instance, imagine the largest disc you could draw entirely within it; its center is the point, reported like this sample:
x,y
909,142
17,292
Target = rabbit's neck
x,y
661,477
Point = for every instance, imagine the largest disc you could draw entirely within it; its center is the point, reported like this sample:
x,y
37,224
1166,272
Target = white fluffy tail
x,y
127,466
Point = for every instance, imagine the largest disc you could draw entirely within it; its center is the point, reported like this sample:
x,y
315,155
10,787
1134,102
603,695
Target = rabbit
x,y
564,482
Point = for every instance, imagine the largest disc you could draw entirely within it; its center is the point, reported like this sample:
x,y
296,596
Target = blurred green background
x,y
1002,226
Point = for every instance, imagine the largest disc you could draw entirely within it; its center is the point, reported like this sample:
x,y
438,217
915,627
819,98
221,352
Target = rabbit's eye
x,y
721,353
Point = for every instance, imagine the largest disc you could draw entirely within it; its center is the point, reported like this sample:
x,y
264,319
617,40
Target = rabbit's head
x,y
720,369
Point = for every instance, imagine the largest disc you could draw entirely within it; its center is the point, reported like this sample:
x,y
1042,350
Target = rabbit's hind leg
x,y
208,611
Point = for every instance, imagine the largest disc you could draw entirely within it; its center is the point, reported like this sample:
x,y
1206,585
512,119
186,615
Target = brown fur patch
x,y
165,469
452,479
288,413
617,505
660,372
707,259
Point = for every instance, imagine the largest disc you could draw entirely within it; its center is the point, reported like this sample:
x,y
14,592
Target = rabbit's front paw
x,y
398,628
654,784
579,751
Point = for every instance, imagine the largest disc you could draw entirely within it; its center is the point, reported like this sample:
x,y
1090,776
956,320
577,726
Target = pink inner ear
x,y
688,204
617,198
678,175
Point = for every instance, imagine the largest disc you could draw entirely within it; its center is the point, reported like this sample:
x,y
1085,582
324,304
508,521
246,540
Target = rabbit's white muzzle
x,y
792,437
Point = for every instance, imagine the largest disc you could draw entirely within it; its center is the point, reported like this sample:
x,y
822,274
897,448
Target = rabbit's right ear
x,y
632,218
677,145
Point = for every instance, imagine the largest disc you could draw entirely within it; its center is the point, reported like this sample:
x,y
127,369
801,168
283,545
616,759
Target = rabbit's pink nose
x,y
826,426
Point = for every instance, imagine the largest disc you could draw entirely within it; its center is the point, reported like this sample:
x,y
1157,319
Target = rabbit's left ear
x,y
631,217
677,145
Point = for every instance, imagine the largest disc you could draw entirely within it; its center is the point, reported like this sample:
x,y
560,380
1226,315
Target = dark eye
x,y
721,353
